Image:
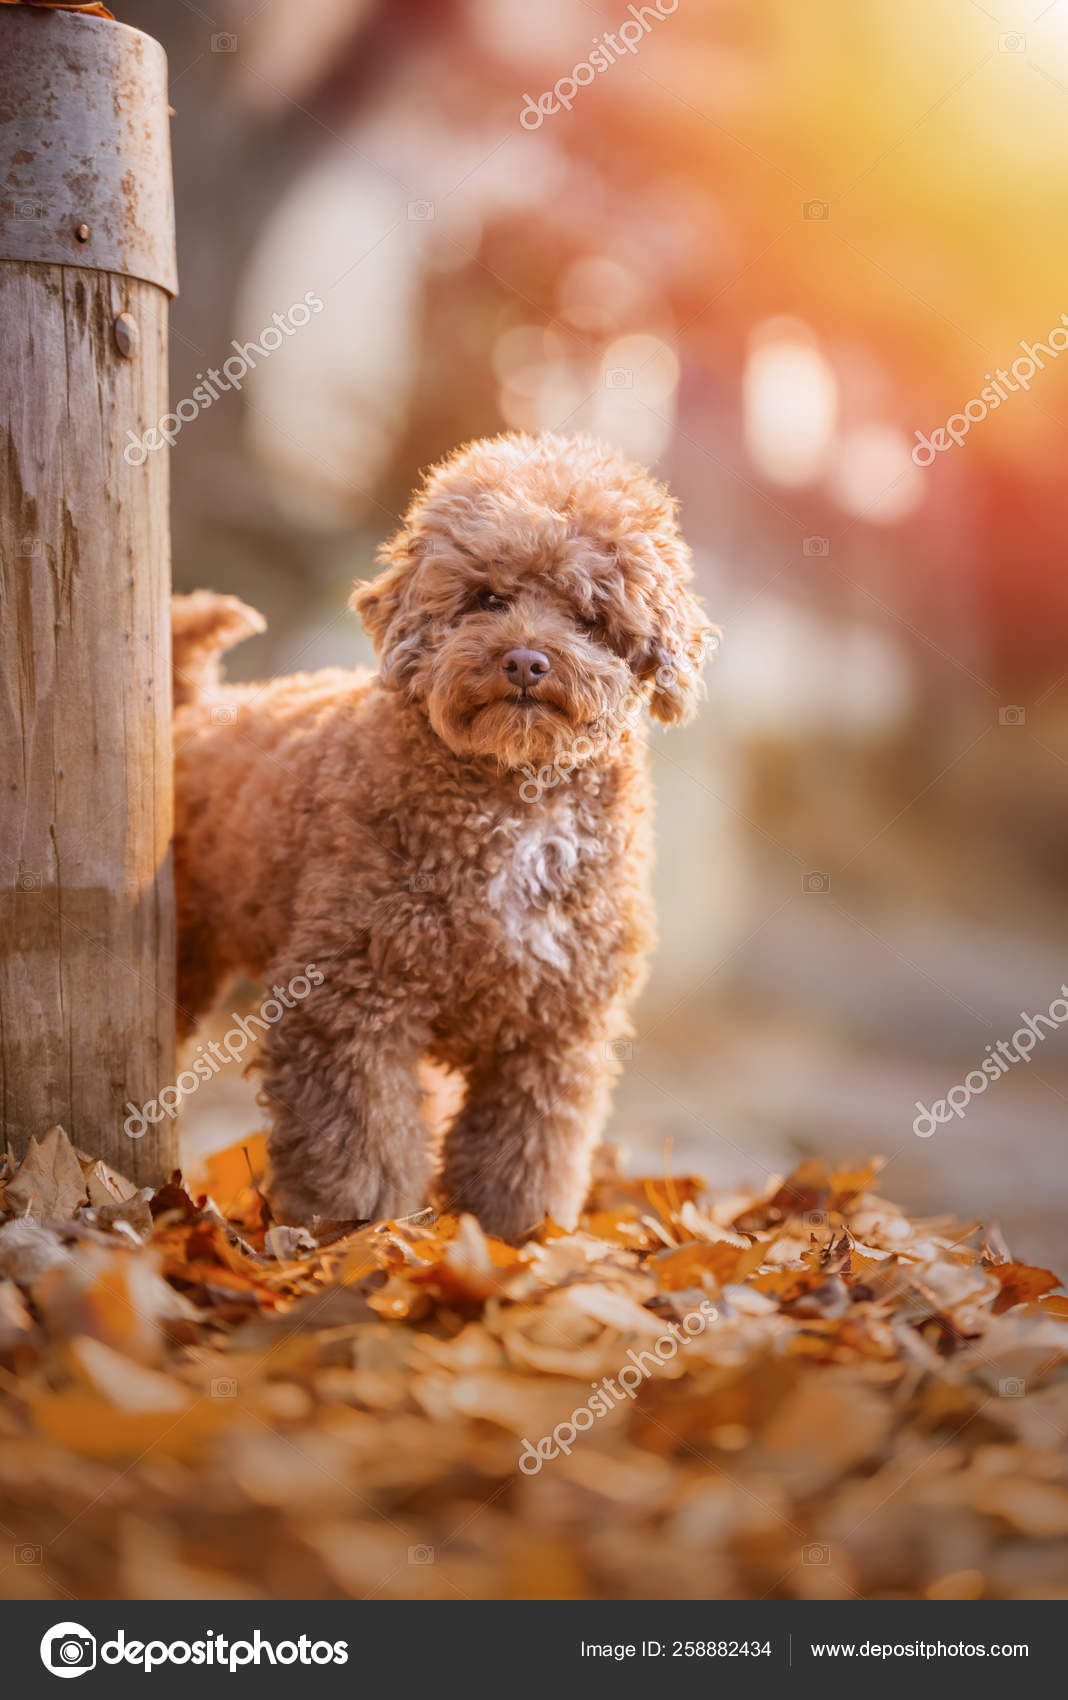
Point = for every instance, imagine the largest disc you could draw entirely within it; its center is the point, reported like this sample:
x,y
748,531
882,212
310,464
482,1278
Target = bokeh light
x,y
790,402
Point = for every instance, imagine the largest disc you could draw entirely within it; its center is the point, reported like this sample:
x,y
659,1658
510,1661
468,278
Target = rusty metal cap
x,y
85,150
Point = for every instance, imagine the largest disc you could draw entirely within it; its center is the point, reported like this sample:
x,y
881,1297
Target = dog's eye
x,y
592,626
489,599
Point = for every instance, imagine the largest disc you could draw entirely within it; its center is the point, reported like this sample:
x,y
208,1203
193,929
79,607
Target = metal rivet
x,y
82,233
126,335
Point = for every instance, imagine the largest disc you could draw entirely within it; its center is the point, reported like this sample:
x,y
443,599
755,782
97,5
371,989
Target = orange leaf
x,y
687,1267
1020,1282
803,1192
846,1183
618,1227
93,1427
226,1174
782,1284
93,10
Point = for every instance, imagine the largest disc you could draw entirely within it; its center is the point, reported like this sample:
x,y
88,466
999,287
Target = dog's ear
x,y
389,608
671,659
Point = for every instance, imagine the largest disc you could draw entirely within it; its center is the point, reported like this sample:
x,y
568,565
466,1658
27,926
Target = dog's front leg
x,y
523,1144
348,1138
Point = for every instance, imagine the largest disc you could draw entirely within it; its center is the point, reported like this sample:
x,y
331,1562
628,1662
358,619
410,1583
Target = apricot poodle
x,y
460,844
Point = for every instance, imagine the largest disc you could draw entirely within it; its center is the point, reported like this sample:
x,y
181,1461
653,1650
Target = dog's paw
x,y
370,1196
510,1215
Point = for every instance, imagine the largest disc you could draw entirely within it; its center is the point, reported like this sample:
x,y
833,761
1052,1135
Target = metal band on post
x,y
85,153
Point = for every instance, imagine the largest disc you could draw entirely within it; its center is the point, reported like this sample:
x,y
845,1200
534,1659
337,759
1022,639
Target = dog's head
x,y
535,597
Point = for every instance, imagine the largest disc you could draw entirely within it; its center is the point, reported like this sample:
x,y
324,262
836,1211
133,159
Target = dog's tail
x,y
203,627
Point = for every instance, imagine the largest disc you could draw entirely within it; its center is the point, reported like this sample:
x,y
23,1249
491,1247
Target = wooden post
x,y
86,890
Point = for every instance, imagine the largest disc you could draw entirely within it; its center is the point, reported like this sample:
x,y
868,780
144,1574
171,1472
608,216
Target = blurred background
x,y
760,246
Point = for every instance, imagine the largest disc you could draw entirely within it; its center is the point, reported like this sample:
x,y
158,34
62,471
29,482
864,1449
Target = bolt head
x,y
82,233
126,334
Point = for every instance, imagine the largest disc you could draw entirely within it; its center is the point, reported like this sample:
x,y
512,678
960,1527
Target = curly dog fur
x,y
393,830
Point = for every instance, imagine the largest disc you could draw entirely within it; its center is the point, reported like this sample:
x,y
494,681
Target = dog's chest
x,y
535,867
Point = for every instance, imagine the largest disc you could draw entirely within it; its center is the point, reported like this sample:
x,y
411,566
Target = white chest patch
x,y
527,892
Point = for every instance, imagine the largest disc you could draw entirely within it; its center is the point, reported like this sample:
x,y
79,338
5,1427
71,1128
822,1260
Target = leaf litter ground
x,y
801,1395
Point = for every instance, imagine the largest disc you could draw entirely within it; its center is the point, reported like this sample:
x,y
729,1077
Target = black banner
x,y
328,1647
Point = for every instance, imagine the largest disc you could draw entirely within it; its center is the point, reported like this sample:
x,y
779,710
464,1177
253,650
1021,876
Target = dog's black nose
x,y
525,666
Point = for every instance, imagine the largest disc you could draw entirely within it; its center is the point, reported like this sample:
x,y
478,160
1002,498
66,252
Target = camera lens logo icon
x,y
68,1649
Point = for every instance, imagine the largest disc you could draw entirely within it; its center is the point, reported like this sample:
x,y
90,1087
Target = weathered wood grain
x,y
86,891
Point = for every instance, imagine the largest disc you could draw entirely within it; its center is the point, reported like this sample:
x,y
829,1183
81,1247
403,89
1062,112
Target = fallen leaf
x,y
28,1249
16,1324
231,1174
699,1264
1021,1282
91,9
103,1184
93,1427
805,1192
49,1182
123,1383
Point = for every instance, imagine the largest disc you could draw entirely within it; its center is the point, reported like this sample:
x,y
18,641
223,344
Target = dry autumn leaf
x,y
1020,1282
49,1181
93,10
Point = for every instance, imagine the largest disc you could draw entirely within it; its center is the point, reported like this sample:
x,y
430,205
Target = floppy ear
x,y
683,636
389,608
